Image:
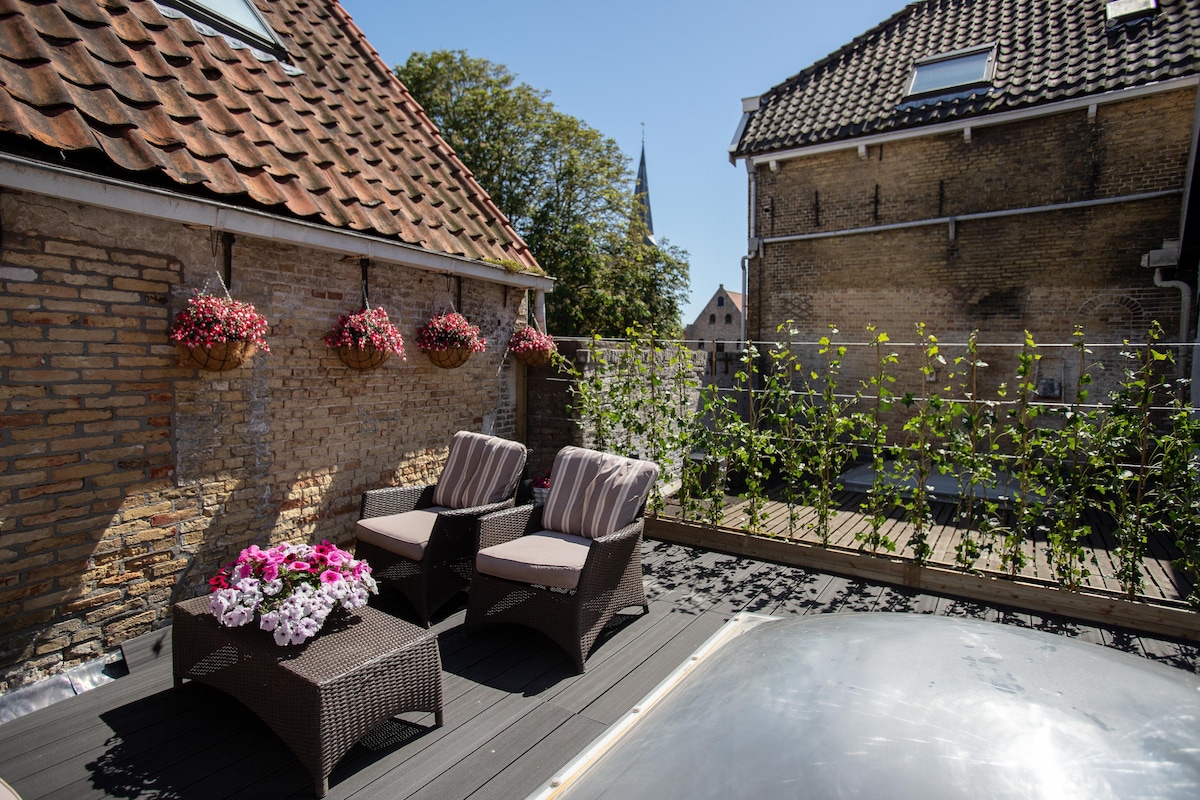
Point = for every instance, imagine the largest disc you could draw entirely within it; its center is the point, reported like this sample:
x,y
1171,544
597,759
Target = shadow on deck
x,y
515,710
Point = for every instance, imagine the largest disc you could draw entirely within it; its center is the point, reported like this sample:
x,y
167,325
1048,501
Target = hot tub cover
x,y
906,706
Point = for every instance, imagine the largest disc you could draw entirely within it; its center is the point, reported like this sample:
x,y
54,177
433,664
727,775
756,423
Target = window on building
x,y
720,302
712,319
960,69
700,345
720,347
1118,11
234,18
729,319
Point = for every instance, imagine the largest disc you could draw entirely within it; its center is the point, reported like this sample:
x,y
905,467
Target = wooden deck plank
x,y
848,522
466,776
524,775
651,671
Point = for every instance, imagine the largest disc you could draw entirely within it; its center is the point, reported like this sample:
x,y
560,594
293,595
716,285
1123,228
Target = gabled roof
x,y
135,90
1046,51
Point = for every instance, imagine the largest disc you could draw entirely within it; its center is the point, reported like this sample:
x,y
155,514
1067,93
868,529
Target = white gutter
x,y
33,176
952,221
976,122
749,106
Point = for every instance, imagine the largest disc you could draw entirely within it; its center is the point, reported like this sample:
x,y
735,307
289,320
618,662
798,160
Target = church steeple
x,y
642,196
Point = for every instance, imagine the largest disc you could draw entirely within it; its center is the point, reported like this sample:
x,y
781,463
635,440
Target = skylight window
x,y
238,19
951,71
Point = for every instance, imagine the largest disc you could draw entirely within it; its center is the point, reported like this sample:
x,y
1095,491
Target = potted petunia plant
x,y
291,588
531,347
365,339
218,333
448,339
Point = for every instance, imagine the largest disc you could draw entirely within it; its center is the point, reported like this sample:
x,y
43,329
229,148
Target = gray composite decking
x,y
515,710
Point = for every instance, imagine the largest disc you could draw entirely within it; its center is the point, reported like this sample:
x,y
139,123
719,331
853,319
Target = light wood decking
x,y
1162,581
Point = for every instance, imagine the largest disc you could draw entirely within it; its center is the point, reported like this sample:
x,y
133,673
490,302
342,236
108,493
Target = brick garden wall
x,y
126,480
1043,272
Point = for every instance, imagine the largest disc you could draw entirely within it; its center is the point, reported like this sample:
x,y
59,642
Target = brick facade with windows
x,y
1045,271
1025,202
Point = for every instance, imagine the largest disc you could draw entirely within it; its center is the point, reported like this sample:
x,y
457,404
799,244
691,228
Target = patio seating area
x,y
515,709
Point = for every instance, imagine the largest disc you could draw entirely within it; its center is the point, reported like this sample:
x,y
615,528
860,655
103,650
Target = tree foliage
x,y
565,187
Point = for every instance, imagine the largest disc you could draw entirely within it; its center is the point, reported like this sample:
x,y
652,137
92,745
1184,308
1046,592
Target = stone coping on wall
x,y
1159,617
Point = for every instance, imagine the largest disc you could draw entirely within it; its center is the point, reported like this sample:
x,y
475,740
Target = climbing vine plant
x,y
1031,476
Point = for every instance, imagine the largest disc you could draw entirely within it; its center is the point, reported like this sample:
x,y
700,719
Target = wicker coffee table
x,y
320,697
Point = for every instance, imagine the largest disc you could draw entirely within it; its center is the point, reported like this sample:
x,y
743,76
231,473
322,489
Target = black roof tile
x,y
1047,51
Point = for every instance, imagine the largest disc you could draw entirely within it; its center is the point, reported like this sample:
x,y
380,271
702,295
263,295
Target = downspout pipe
x,y
1185,314
753,245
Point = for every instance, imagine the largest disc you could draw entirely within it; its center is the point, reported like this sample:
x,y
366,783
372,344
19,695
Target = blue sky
x,y
682,68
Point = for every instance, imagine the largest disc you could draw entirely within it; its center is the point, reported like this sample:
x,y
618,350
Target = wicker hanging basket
x,y
534,358
366,357
449,358
219,357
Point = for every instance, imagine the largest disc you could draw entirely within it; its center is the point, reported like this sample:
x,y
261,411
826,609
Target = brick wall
x,y
126,480
1042,272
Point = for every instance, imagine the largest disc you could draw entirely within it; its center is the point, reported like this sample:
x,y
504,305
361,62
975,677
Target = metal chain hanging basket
x,y
363,358
217,357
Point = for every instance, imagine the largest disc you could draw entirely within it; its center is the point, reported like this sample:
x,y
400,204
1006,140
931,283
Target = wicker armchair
x,y
422,539
567,567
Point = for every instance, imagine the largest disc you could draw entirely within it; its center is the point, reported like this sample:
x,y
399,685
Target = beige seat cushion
x,y
480,470
546,558
404,534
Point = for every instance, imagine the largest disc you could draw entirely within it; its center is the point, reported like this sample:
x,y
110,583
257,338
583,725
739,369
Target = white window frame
x,y
985,79
200,11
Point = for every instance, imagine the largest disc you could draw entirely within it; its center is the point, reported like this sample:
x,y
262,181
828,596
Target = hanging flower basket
x,y
218,333
531,347
363,358
365,339
449,340
218,357
449,358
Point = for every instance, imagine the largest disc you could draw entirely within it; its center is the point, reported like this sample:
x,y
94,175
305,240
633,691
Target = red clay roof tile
x,y
331,134
19,40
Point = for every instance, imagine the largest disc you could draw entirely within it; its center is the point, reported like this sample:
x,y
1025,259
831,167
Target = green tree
x,y
566,188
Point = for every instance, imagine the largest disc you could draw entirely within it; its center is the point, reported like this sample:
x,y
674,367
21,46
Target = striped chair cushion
x,y
479,471
594,494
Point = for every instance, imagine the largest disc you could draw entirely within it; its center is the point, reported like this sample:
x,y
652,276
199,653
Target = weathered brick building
x,y
989,165
143,153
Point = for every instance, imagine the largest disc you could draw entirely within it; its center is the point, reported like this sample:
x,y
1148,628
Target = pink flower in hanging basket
x,y
528,339
209,320
450,331
370,326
